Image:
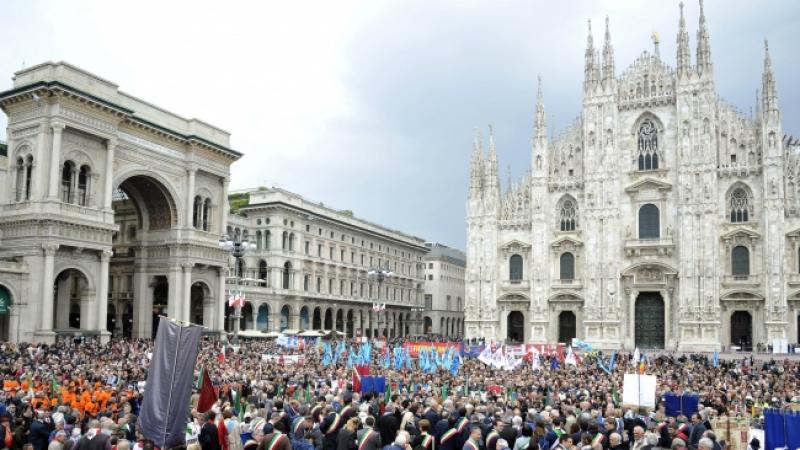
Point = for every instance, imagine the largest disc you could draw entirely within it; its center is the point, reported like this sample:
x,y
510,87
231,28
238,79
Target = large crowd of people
x,y
87,396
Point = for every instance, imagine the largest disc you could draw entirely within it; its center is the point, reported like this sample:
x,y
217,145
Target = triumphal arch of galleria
x,y
96,182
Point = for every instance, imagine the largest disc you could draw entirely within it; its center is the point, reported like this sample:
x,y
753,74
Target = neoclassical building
x,y
444,269
310,269
663,217
111,210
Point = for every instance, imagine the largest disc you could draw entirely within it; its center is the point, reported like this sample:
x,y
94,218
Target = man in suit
x,y
367,438
209,439
388,424
697,431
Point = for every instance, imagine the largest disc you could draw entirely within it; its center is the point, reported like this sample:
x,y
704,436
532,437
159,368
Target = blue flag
x,y
715,361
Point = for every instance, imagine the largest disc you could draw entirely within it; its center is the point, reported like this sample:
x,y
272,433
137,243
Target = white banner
x,y
639,390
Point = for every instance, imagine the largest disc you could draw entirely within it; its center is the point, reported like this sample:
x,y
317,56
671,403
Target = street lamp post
x,y
238,250
380,274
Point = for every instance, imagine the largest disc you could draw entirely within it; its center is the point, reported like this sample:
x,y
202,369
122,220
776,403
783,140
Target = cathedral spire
x,y
476,166
491,173
590,69
704,64
769,91
608,55
541,127
684,57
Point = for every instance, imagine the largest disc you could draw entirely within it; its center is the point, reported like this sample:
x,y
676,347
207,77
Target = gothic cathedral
x,y
662,218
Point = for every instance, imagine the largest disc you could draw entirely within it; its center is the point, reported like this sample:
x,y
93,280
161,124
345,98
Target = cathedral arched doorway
x,y
567,327
428,325
5,312
649,320
329,319
742,330
515,333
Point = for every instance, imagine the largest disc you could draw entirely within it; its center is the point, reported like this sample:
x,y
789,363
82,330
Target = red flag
x,y
221,357
356,379
208,395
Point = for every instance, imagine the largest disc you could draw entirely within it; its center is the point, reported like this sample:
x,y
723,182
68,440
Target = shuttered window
x,y
740,261
515,268
649,225
567,266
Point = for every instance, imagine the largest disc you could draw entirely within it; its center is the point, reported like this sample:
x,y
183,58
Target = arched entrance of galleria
x,y
115,213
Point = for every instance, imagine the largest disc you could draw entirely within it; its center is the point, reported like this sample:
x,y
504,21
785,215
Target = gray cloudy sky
x,y
371,105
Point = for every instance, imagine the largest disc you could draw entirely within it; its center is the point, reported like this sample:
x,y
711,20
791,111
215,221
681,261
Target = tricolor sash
x,y
598,438
335,424
462,423
471,445
298,422
427,441
364,439
448,435
493,435
273,443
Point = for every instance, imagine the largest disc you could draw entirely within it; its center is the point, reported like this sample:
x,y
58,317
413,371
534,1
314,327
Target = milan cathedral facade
x,y
662,217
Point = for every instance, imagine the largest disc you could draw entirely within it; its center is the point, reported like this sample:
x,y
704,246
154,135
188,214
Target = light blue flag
x,y
715,361
455,365
613,362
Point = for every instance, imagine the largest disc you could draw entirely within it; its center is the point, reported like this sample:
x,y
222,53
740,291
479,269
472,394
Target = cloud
x,y
370,106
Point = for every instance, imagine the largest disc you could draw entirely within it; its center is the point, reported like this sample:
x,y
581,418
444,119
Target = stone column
x,y
62,303
222,298
186,304
108,176
223,207
55,162
143,304
190,174
175,280
73,186
102,295
38,186
47,297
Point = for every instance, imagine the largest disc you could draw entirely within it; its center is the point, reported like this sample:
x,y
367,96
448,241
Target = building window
x,y
428,302
305,282
291,242
331,252
740,205
285,240
287,268
267,239
307,245
740,261
648,146
430,265
649,222
67,174
567,214
262,270
330,286
448,303
319,284
567,262
83,185
430,277
515,268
